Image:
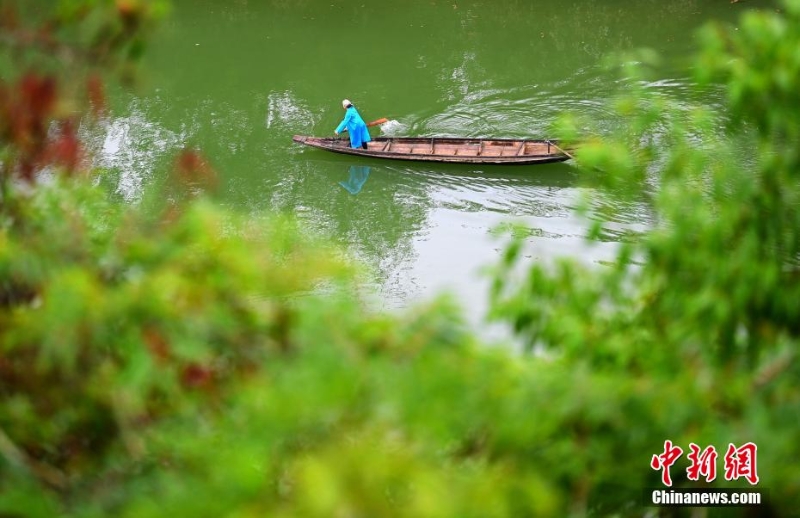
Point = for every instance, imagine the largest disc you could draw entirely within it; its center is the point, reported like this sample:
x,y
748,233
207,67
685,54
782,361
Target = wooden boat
x,y
448,149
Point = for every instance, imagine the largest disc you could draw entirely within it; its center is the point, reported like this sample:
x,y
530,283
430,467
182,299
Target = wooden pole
x,y
373,123
558,148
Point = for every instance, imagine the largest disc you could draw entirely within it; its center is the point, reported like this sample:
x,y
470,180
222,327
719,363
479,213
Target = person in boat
x,y
355,126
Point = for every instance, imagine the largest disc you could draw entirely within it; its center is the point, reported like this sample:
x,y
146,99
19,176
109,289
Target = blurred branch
x,y
42,471
773,370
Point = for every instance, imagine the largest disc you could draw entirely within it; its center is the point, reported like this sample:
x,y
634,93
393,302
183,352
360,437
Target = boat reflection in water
x,y
358,177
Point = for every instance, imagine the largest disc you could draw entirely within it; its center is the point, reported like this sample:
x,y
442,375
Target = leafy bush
x,y
700,313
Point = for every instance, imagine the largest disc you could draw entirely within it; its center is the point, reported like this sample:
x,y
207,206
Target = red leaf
x,y
65,150
96,94
156,344
193,170
195,375
38,96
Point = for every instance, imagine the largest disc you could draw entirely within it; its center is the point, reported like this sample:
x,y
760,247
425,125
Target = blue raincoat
x,y
355,127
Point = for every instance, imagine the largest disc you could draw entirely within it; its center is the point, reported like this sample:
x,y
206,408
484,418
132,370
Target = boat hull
x,y
447,149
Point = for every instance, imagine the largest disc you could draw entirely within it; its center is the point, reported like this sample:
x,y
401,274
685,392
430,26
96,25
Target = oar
x,y
558,148
373,123
377,122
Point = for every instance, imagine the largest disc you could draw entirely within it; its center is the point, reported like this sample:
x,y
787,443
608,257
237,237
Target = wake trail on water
x,y
393,128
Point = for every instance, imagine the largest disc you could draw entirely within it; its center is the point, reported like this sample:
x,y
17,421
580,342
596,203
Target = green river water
x,y
238,78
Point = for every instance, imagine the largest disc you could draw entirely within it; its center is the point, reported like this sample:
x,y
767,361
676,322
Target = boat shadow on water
x,y
559,174
415,179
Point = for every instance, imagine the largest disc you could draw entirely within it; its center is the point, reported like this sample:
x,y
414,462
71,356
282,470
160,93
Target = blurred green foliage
x,y
172,359
700,314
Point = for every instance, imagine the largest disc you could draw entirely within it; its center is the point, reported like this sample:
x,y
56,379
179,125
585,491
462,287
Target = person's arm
x,y
342,125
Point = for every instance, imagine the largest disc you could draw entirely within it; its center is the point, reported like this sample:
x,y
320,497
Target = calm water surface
x,y
239,78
